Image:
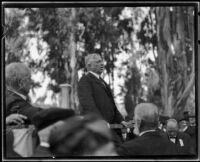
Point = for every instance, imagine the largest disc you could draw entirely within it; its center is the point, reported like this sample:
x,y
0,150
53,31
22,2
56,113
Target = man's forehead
x,y
171,124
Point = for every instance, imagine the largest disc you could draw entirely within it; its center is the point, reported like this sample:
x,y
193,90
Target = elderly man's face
x,y
96,65
172,130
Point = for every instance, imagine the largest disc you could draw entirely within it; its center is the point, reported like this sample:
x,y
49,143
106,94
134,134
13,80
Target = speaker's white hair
x,y
147,112
90,58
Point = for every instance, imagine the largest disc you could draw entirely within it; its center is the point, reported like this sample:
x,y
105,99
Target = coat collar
x,y
17,93
95,79
95,74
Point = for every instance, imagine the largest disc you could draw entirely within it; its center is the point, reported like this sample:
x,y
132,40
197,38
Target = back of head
x,y
79,137
16,73
147,115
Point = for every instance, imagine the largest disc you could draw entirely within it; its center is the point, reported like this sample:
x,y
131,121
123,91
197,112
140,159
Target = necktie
x,y
102,81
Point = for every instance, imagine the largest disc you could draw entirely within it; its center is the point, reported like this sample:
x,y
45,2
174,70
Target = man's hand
x,y
127,124
15,118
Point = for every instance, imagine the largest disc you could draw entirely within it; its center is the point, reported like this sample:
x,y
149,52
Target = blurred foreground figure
x,y
181,139
18,84
43,148
88,136
150,141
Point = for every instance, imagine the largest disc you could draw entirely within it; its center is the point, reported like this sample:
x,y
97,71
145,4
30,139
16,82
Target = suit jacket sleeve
x,y
86,98
118,117
41,117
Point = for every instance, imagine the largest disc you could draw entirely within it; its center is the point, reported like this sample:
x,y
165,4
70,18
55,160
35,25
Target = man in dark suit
x,y
95,95
181,139
18,84
190,129
149,141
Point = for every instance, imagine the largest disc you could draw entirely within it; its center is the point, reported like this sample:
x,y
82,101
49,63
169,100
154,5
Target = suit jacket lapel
x,y
95,79
107,89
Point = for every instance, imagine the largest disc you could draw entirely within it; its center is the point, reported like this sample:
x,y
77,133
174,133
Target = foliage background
x,y
148,52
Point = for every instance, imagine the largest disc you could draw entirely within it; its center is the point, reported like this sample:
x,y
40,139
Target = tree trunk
x,y
176,82
71,64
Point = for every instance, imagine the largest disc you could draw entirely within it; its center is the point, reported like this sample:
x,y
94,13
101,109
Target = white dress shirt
x,y
95,74
152,130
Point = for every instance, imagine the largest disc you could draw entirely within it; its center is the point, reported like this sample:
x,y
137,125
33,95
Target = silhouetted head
x,y
146,117
18,77
88,136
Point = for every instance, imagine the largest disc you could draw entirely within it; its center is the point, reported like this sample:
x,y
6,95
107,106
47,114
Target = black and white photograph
x,y
100,80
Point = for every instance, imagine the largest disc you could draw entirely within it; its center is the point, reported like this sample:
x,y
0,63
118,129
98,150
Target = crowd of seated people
x,y
60,133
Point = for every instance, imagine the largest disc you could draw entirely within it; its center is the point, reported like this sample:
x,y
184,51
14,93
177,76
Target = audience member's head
x,y
18,77
146,117
183,124
94,63
163,122
172,128
88,136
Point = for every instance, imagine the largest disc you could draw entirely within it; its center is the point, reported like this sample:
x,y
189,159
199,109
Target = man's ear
x,y
141,124
21,83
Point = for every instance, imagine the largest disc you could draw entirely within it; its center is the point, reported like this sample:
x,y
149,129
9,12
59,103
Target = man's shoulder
x,y
135,141
183,135
86,78
191,130
12,98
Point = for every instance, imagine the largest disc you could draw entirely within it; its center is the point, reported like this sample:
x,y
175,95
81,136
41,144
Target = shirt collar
x,y
152,130
19,94
44,144
95,74
184,129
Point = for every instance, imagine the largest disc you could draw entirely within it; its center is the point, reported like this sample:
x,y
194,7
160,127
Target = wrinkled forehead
x,y
172,125
92,58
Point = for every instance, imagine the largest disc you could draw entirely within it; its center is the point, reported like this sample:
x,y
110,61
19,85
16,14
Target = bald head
x,y
147,112
172,124
172,128
17,75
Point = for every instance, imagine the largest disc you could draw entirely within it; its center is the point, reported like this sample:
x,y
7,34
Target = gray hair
x,y
15,73
172,123
90,58
148,113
